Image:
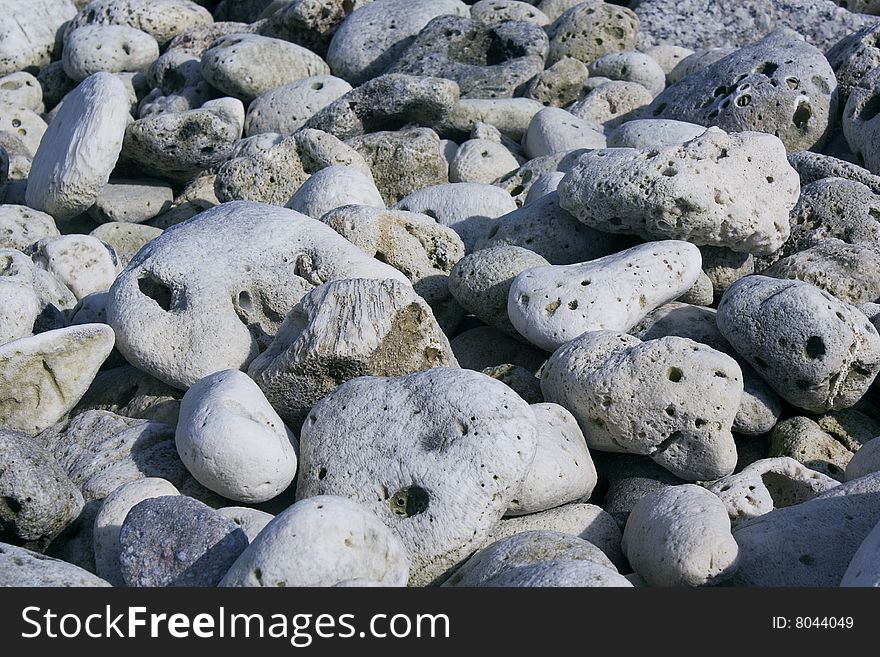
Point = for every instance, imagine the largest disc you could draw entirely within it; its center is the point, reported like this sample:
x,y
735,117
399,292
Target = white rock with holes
x,y
214,290
563,470
80,148
680,536
19,308
83,263
733,190
285,109
767,484
481,161
672,399
111,48
232,441
816,351
551,305
322,541
437,455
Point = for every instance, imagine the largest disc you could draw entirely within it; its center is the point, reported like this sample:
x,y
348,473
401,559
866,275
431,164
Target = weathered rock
x,y
37,499
780,85
804,441
732,190
817,352
164,286
111,48
286,108
80,148
592,29
21,567
672,399
476,433
321,541
769,484
553,304
28,32
163,19
343,330
43,376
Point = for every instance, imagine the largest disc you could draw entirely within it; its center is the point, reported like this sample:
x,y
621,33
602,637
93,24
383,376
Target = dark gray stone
x,y
487,61
780,85
388,102
177,541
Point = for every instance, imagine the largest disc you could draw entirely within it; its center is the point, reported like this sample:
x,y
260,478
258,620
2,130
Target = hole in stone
x,y
744,101
322,473
674,374
815,347
156,290
245,302
408,502
792,82
870,108
767,68
12,504
802,115
317,86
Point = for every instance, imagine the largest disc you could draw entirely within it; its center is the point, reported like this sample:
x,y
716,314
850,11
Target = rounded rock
x,y
111,48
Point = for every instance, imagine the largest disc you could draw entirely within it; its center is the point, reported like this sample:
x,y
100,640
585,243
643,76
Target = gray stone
x,y
403,162
803,440
560,84
780,85
612,103
129,392
414,244
592,29
372,38
286,108
482,347
177,541
518,379
37,499
343,330
544,227
815,166
481,281
701,24
163,19
851,272
809,544
21,567
134,201
817,352
388,102
864,569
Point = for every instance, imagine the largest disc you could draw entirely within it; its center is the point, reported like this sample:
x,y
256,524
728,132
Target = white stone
x,y
768,484
22,89
43,376
232,440
285,109
551,305
111,48
251,521
437,456
321,541
19,308
80,148
333,187
481,161
468,208
653,133
28,32
672,399
213,290
864,461
720,189
110,516
23,124
554,130
83,263
563,470
680,536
